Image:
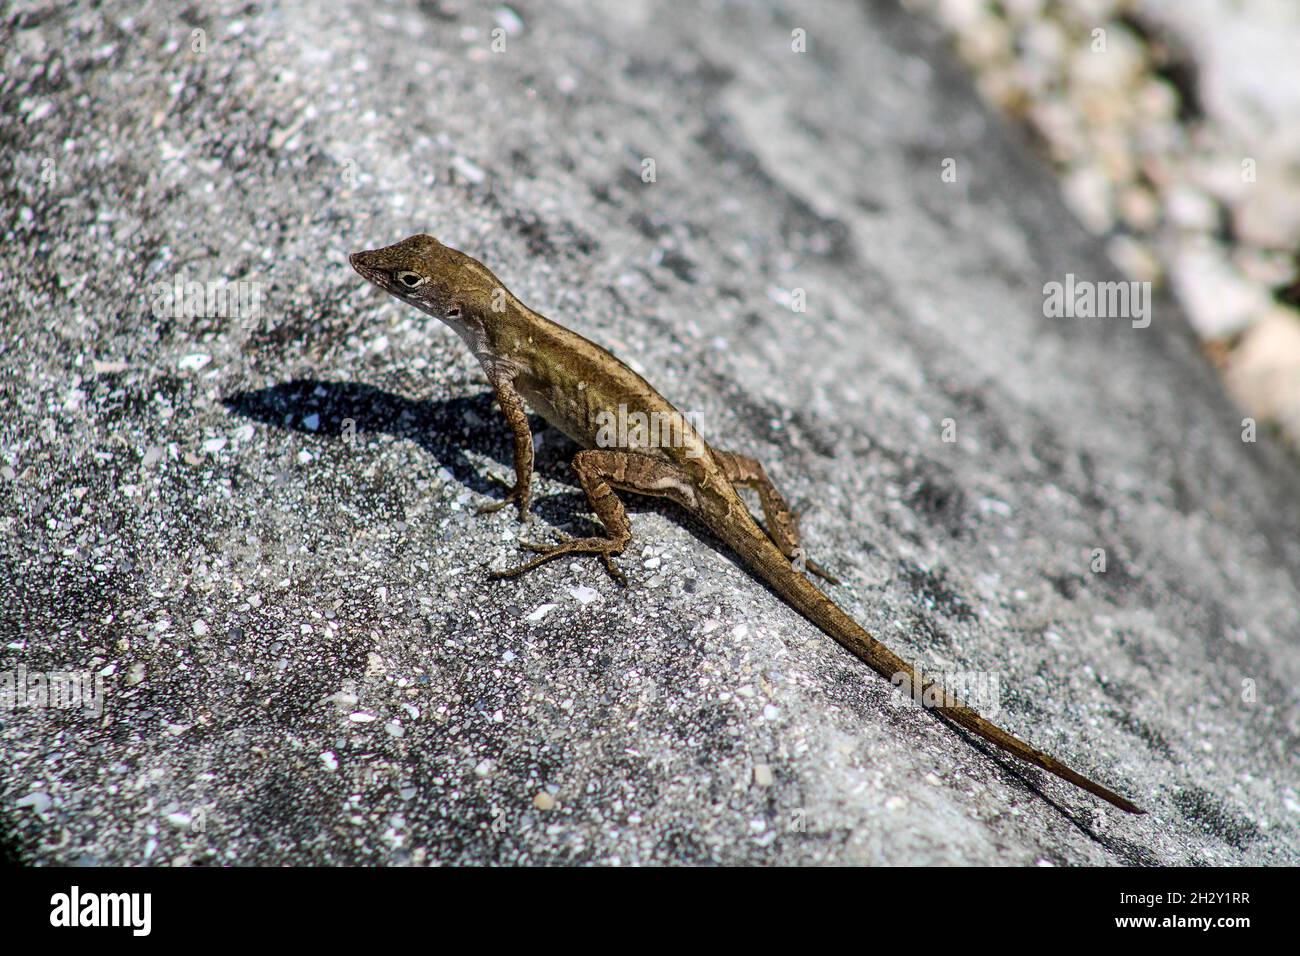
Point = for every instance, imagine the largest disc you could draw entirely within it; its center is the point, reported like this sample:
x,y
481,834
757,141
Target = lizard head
x,y
437,279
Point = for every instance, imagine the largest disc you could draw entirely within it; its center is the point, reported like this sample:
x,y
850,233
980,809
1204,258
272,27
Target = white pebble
x,y
541,612
38,801
584,594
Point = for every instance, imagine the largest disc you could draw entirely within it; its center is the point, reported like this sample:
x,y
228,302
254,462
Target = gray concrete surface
x,y
259,530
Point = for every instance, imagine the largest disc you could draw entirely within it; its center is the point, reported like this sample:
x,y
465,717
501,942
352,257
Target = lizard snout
x,y
361,261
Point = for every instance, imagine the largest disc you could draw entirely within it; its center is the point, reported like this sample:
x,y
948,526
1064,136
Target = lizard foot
x,y
514,493
605,547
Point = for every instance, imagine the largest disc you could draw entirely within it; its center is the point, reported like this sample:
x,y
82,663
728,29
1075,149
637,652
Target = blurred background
x,y
1184,157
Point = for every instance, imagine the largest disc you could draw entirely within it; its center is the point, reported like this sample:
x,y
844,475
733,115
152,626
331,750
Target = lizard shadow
x,y
1034,780
449,430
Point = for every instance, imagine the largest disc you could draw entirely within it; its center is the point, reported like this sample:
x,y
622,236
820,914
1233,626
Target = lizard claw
x,y
619,577
492,507
802,563
519,496
821,572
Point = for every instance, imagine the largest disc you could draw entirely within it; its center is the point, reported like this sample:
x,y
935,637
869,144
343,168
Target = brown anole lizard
x,y
576,386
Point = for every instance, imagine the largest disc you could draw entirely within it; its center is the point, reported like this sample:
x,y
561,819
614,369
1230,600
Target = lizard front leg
x,y
779,521
601,471
512,406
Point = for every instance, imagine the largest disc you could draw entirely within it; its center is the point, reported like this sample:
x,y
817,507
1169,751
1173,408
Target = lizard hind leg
x,y
779,521
602,471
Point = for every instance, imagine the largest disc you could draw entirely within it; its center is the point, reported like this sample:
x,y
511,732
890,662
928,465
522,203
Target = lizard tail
x,y
775,569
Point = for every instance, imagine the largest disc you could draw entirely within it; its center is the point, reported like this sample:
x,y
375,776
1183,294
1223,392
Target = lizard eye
x,y
453,312
411,280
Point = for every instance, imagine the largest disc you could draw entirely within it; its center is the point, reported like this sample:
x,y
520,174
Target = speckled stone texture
x,y
260,529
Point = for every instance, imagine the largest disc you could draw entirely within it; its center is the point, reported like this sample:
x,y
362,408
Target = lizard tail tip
x,y
1128,806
